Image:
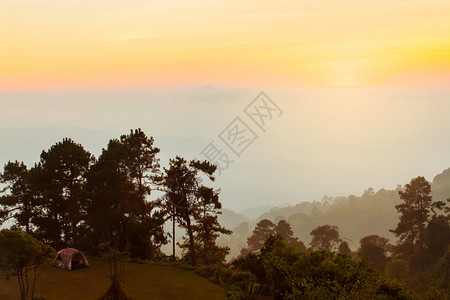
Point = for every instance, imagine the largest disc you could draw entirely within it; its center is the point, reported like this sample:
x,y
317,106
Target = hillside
x,y
356,216
140,282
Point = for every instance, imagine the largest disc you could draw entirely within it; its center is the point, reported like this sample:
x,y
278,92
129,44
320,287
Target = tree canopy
x,y
325,237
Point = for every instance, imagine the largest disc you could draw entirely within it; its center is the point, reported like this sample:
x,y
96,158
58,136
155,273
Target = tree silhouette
x,y
182,181
376,249
414,214
325,237
17,199
116,196
260,234
344,248
141,162
207,228
436,237
58,179
285,230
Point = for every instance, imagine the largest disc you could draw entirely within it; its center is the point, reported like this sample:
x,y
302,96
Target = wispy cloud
x,y
130,37
277,15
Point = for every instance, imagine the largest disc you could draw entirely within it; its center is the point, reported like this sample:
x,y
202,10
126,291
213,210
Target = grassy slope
x,y
140,282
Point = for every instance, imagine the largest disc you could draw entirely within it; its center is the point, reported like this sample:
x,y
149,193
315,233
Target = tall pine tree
x,y
58,180
415,213
17,200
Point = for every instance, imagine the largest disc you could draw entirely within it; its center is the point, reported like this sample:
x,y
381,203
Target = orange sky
x,y
47,44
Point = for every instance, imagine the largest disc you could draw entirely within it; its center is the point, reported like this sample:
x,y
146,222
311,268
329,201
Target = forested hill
x,y
356,216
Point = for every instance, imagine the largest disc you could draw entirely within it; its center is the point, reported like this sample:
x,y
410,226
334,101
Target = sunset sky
x,y
364,86
54,45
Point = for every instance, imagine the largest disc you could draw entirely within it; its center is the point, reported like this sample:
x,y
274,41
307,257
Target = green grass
x,y
141,281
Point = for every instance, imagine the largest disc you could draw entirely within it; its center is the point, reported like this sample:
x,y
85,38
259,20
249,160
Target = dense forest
x,y
389,244
373,212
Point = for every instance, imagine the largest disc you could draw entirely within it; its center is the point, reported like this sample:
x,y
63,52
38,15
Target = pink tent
x,y
71,257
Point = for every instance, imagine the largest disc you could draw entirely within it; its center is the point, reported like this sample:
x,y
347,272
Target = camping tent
x,y
71,257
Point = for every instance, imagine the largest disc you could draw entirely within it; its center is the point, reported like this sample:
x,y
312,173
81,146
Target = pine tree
x,y
17,201
58,180
207,228
415,214
182,181
285,230
117,190
260,234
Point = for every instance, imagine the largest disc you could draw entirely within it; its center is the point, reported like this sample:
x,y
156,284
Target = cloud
x,y
277,15
130,37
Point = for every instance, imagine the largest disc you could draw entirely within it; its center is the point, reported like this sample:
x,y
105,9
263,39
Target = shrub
x,y
235,282
322,274
23,256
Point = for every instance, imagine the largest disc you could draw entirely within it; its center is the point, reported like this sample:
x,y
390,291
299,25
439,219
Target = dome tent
x,y
71,257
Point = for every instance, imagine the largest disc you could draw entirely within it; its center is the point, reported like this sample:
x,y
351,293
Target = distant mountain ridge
x,y
356,216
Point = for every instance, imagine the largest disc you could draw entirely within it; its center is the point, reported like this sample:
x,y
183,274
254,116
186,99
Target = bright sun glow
x,y
346,81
